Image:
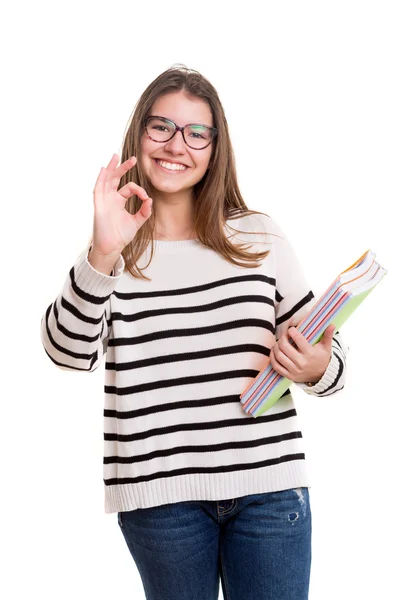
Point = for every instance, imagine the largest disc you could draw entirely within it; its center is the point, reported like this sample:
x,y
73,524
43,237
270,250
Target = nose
x,y
176,145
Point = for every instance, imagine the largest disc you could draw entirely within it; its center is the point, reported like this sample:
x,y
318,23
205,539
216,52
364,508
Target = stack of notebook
x,y
339,301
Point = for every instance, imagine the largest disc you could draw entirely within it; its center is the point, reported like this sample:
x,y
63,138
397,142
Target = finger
x,y
98,190
283,344
101,186
144,213
282,358
128,190
110,174
274,362
133,188
113,162
274,354
117,173
298,338
286,348
103,173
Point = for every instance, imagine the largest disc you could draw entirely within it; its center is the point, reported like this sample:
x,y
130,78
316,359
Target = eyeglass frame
x,y
213,130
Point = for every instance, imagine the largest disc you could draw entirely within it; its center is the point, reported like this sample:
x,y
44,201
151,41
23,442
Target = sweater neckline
x,y
169,245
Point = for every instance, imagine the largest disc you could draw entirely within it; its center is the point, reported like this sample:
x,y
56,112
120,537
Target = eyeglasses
x,y
160,129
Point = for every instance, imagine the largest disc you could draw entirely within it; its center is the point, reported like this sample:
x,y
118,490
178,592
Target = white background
x,y
321,80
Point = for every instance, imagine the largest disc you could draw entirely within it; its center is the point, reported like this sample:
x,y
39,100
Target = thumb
x,y
328,334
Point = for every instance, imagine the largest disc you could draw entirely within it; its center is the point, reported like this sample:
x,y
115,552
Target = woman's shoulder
x,y
256,222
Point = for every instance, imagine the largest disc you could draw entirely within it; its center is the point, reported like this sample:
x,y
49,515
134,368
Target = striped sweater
x,y
180,349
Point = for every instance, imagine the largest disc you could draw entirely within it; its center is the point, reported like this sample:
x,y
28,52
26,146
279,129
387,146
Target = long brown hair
x,y
217,195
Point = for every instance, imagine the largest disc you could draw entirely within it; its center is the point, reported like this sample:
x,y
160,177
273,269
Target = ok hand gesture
x,y
113,226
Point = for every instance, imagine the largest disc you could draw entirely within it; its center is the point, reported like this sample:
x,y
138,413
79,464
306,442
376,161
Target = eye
x,y
160,127
199,132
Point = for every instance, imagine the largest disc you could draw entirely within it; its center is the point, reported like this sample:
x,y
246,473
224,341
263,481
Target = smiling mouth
x,y
179,170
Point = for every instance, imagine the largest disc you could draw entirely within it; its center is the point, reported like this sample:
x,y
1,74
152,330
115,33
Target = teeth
x,y
171,166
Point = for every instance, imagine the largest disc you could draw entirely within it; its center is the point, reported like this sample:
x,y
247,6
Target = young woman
x,y
188,292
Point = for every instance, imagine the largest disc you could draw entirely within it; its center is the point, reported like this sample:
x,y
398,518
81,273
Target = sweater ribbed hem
x,y
206,486
93,282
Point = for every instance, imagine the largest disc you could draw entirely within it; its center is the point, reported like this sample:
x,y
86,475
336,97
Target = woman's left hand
x,y
302,362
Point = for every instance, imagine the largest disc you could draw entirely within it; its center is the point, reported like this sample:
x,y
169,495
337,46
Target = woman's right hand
x,y
113,226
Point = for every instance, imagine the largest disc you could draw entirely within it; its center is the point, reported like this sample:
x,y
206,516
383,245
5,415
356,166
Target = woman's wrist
x,y
101,263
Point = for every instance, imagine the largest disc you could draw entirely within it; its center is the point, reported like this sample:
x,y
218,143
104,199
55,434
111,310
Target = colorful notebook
x,y
339,301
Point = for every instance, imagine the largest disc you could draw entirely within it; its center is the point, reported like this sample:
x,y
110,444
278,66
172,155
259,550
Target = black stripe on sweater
x,y
334,392
339,348
84,295
265,441
194,470
73,368
195,288
177,381
78,314
184,356
295,308
71,334
157,408
203,426
338,376
92,357
176,310
336,341
171,333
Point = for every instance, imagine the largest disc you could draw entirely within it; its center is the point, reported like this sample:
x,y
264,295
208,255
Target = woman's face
x,y
182,110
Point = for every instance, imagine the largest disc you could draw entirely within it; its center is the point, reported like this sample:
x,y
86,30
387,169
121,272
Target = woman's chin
x,y
168,187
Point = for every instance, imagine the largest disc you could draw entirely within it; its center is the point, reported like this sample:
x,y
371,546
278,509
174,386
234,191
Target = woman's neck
x,y
174,220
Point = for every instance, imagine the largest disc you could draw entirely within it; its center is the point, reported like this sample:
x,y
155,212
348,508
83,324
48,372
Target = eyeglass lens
x,y
196,136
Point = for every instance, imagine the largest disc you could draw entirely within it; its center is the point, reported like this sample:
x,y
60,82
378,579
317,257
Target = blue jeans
x,y
259,545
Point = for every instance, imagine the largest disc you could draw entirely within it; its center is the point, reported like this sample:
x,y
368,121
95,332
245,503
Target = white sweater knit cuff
x,y
329,377
93,282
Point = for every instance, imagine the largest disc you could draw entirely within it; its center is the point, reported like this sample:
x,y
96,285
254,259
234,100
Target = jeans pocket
x,y
120,520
